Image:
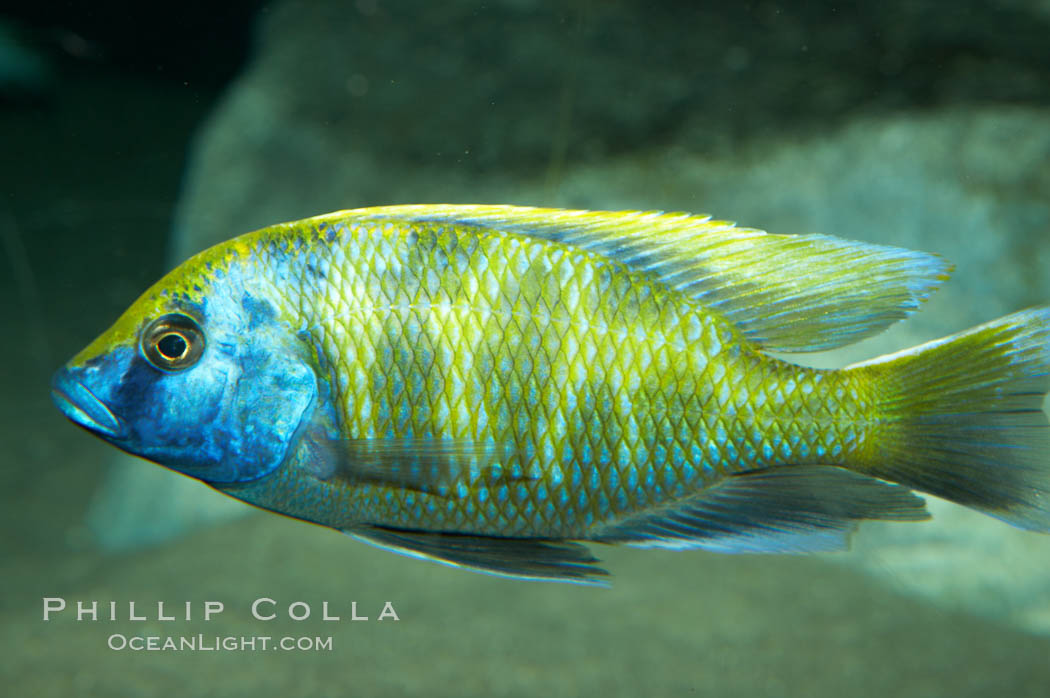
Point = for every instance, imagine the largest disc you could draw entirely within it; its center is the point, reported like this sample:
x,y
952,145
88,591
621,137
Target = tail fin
x,y
962,418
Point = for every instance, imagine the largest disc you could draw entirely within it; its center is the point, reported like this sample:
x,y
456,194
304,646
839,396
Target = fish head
x,y
202,374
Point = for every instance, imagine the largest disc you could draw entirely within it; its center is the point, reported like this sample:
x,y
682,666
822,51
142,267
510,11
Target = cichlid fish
x,y
487,386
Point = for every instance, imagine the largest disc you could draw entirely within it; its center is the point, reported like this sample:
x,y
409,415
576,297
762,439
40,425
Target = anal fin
x,y
791,509
522,558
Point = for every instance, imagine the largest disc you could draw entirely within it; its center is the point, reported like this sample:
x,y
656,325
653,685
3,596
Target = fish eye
x,y
173,342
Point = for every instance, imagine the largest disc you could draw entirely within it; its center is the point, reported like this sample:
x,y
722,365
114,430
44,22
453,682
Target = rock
x,y
968,182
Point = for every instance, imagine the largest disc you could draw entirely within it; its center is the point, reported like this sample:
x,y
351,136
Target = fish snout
x,y
82,406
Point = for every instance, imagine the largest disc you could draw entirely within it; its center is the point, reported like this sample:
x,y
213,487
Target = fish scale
x,y
520,328
486,386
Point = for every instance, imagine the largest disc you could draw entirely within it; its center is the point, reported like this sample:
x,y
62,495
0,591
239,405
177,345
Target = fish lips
x,y
83,407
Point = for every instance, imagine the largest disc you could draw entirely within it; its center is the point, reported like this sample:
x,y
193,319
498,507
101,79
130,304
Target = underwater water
x,y
906,125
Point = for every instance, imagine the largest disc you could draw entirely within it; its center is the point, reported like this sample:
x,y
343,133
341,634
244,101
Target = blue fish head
x,y
216,390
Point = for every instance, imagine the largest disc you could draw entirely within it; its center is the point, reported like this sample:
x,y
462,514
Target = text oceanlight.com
x,y
216,643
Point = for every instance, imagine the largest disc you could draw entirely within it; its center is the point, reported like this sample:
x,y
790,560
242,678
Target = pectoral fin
x,y
522,558
430,465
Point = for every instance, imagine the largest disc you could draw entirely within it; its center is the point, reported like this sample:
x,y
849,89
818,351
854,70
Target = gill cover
x,y
216,392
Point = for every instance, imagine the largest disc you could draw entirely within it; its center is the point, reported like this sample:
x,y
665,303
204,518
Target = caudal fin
x,y
962,418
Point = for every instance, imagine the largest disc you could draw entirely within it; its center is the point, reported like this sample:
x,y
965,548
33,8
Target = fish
x,y
499,388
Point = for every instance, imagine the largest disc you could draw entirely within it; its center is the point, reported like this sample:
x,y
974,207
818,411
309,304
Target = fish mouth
x,y
82,406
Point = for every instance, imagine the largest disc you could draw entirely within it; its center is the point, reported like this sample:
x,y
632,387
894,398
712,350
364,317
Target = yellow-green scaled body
x,y
481,385
610,396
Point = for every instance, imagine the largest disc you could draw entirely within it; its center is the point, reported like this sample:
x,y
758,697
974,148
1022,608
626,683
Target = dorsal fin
x,y
784,292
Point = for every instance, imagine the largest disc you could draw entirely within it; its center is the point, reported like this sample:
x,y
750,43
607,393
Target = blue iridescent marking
x,y
586,455
566,454
548,510
603,502
659,454
713,454
688,472
696,452
404,413
642,455
677,456
542,372
396,386
523,425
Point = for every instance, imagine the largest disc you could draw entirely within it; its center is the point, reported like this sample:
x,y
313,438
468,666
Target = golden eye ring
x,y
172,342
